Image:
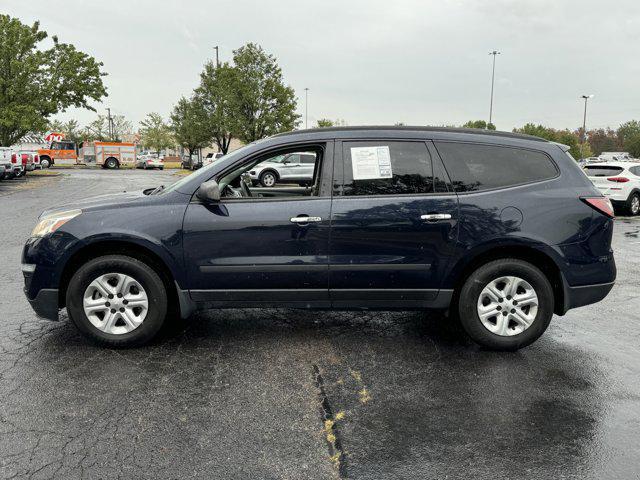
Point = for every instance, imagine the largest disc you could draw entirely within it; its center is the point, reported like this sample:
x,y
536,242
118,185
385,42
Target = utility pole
x,y
584,123
217,57
110,124
306,108
493,76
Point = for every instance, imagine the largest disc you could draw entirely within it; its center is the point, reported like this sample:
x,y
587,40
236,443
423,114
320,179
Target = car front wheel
x,y
117,301
268,179
506,304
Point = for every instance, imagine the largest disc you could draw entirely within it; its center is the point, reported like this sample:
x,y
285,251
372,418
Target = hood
x,y
100,201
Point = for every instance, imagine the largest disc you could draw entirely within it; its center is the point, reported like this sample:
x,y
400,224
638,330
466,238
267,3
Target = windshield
x,y
204,172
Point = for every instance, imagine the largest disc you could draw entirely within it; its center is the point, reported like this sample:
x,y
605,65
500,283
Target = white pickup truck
x,y
5,162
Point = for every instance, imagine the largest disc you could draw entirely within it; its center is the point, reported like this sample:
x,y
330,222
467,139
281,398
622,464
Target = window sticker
x,y
371,162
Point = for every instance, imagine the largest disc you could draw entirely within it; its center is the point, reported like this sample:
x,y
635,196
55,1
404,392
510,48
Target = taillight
x,y
25,157
14,158
601,204
36,158
618,179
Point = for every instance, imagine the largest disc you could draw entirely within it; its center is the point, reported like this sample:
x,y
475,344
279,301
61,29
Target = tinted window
x,y
635,171
386,168
602,171
474,167
308,158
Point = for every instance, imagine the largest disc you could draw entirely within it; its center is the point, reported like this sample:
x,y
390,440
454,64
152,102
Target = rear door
x,y
393,224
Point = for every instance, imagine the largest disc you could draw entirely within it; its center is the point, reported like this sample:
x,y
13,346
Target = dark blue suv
x,y
502,230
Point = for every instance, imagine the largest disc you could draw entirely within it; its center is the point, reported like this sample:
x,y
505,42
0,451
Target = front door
x,y
262,247
394,225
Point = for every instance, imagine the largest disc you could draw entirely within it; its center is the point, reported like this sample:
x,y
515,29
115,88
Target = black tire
x,y
161,168
268,178
633,204
470,293
142,273
45,163
111,163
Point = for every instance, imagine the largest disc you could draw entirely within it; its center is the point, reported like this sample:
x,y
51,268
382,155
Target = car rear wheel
x,y
44,163
506,304
268,179
633,204
117,301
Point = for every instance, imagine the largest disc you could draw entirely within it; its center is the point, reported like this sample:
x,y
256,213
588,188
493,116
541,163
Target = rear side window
x,y
474,167
635,171
387,168
602,171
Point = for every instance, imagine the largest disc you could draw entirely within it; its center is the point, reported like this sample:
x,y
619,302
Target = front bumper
x,y
45,303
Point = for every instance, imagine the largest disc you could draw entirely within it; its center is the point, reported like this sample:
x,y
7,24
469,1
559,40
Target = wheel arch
x,y
127,248
542,260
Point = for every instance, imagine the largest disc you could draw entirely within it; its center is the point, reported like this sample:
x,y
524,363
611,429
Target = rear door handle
x,y
305,219
434,217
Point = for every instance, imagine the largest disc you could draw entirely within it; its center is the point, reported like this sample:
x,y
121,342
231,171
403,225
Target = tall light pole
x,y
584,122
217,57
306,108
493,77
110,124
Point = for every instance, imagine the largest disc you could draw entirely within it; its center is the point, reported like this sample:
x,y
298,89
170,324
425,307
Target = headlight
x,y
53,222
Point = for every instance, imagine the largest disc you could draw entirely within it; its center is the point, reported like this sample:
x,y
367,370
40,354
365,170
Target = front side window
x,y
476,167
276,175
386,168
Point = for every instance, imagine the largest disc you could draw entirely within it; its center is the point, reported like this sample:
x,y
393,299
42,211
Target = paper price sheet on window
x,y
371,162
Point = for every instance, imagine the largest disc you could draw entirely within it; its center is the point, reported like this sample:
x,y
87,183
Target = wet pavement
x,y
292,394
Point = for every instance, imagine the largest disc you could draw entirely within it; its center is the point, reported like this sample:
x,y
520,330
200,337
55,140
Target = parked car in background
x,y
3,169
5,161
22,162
192,162
502,229
619,182
149,162
297,167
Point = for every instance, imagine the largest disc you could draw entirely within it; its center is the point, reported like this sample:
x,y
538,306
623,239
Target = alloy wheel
x,y
635,205
115,303
507,306
268,179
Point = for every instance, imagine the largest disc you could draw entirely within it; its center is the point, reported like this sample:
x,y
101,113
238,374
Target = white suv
x,y
618,181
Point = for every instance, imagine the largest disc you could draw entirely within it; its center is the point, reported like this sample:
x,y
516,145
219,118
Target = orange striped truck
x,y
103,154
108,154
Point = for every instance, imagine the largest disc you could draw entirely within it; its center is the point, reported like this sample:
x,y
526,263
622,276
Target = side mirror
x,y
209,192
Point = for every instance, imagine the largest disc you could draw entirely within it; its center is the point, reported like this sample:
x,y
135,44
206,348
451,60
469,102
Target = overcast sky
x,y
370,61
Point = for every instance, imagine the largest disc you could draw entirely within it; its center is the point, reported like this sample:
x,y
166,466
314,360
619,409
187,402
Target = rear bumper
x,y
575,297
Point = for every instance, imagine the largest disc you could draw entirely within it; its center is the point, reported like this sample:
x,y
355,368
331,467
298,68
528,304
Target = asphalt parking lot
x,y
291,394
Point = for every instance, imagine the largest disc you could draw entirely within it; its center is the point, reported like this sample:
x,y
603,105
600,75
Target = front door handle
x,y
305,219
434,217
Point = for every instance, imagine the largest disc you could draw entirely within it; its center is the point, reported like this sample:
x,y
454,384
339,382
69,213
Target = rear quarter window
x,y
476,167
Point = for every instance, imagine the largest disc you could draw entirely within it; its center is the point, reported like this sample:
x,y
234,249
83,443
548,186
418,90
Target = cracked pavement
x,y
291,394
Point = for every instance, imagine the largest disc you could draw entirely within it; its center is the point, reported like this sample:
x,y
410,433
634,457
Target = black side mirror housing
x,y
209,192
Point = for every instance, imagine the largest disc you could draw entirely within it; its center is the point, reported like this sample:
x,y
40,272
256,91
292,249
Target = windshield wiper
x,y
157,190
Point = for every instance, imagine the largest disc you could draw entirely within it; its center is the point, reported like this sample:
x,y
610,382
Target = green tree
x,y
263,104
217,96
155,134
98,130
189,124
603,140
633,146
70,129
566,137
481,124
36,83
627,134
325,123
